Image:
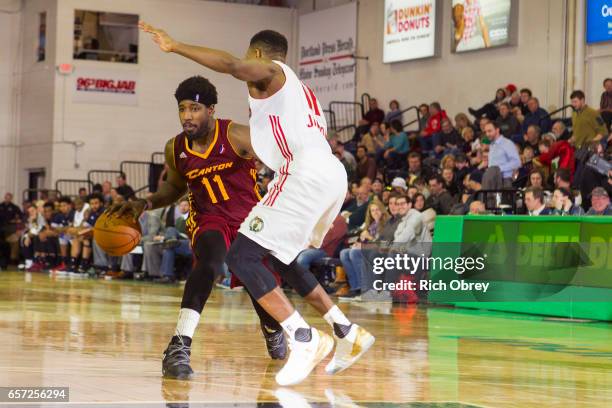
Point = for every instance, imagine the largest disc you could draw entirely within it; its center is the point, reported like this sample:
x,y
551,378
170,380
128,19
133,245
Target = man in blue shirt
x,y
536,116
502,154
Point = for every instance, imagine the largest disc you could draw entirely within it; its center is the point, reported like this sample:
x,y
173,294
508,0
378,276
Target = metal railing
x,y
345,113
158,158
365,102
346,134
137,174
71,187
499,200
330,118
33,194
100,176
413,121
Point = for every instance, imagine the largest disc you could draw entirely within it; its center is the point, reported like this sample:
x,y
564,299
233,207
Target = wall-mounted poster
x,y
478,24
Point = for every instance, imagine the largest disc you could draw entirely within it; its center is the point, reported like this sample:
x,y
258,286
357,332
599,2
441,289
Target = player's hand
x,y
160,37
134,208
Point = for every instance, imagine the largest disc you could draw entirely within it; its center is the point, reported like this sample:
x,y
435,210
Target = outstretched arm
x,y
217,60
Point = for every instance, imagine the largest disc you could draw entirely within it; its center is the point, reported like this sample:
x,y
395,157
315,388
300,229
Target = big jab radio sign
x,y
106,87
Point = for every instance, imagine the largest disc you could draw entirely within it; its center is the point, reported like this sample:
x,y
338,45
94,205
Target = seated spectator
x,y
176,243
396,149
424,115
518,114
47,240
374,141
536,179
399,185
470,143
85,234
83,194
60,224
366,166
526,95
472,185
394,112
563,204
440,200
416,169
448,141
352,258
531,138
477,208
447,162
600,202
377,187
560,149
560,130
434,125
490,109
123,188
356,209
515,101
462,167
10,219
588,127
562,178
418,202
450,184
107,188
30,246
81,213
534,201
374,114
605,102
332,241
508,124
347,159
462,122
536,116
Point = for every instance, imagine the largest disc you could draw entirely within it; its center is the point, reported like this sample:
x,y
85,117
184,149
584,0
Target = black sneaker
x,y
275,342
177,358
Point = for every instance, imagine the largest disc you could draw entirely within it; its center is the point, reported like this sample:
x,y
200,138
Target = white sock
x,y
335,315
187,322
294,322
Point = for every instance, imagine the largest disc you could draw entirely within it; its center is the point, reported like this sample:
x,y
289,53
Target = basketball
x,y
117,236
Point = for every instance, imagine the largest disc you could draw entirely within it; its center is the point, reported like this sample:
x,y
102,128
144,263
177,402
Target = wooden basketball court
x,y
104,340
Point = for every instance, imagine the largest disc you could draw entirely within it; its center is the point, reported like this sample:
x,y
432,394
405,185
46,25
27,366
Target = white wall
x,y
9,63
598,68
458,81
115,133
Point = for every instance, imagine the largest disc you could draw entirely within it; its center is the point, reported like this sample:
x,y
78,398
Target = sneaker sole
x,y
367,340
326,345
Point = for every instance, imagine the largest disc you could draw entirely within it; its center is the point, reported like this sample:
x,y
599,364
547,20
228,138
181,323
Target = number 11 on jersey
x,y
211,193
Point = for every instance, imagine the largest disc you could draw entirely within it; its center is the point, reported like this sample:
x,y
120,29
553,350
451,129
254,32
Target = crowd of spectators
x,y
510,156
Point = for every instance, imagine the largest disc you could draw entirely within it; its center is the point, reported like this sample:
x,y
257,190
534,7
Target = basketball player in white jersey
x,y
288,134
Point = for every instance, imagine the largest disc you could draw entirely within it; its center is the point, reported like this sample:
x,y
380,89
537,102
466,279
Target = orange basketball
x,y
117,236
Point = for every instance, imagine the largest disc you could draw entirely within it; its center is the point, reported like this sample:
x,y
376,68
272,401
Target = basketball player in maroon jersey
x,y
210,159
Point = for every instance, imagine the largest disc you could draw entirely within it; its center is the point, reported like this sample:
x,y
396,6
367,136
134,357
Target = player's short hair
x,y
271,41
197,89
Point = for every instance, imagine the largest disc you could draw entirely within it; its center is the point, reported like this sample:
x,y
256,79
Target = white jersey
x,y
287,124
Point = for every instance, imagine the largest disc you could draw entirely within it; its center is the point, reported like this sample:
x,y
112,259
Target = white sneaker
x,y
304,356
348,352
290,399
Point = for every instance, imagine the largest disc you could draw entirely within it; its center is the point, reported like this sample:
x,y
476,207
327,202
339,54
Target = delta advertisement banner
x,y
410,30
327,43
599,21
478,24
111,87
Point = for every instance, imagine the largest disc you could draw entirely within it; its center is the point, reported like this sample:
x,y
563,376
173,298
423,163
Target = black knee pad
x,y
245,260
300,279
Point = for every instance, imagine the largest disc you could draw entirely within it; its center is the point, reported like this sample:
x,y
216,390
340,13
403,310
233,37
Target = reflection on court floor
x,y
104,340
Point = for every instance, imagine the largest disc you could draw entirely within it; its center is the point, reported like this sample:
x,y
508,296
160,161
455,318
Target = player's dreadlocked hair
x,y
271,41
197,89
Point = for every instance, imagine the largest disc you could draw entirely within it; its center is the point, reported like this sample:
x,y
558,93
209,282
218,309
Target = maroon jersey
x,y
222,185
